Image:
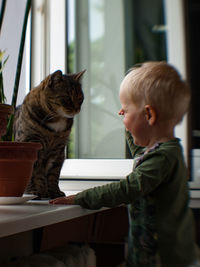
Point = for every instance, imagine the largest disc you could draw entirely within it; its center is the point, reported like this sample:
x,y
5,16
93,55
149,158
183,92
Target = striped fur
x,y
46,116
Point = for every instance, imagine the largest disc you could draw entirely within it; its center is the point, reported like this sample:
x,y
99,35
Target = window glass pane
x,y
107,38
99,132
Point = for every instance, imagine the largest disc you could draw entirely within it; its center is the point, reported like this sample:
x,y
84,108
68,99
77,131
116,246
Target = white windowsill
x,y
96,168
81,174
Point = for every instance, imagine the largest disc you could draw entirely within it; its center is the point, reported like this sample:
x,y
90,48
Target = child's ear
x,y
150,114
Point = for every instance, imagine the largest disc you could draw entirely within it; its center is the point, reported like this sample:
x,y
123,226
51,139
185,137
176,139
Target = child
x,y
161,232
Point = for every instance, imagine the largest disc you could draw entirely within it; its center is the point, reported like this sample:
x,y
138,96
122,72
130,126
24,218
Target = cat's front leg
x,y
54,190
53,174
38,184
56,193
37,187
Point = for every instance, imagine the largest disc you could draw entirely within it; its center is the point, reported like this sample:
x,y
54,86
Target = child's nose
x,y
121,112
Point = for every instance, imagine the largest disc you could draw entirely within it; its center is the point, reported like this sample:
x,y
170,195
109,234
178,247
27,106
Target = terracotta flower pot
x,y
16,166
5,112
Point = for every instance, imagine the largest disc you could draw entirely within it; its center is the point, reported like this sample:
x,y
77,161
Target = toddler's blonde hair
x,y
158,84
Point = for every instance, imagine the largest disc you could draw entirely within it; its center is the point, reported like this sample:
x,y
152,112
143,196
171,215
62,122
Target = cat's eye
x,y
66,102
61,97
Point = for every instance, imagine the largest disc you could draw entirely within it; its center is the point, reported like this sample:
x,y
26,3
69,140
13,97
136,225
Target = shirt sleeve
x,y
142,181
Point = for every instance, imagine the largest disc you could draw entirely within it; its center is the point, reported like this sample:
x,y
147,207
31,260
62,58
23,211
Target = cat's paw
x,y
40,195
57,194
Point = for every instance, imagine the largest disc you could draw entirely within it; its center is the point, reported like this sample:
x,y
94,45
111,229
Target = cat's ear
x,y
77,76
55,77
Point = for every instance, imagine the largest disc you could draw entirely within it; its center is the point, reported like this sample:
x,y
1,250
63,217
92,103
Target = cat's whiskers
x,y
68,116
64,114
58,125
48,117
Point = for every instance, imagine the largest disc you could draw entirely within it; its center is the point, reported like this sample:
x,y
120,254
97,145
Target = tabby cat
x,y
46,116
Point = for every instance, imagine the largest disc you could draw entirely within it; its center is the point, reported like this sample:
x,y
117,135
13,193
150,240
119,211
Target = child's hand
x,y
63,200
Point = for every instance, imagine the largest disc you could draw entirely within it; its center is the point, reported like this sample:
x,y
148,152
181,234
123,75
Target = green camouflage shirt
x,y
156,191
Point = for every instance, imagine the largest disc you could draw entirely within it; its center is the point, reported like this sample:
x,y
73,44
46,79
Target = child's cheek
x,y
126,122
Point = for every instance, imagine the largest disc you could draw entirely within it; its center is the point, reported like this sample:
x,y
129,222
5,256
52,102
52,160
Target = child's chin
x,y
137,143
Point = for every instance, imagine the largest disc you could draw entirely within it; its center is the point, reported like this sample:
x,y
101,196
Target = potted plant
x,y
16,158
5,109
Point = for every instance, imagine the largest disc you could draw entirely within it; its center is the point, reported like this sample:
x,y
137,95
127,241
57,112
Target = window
x,y
105,37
